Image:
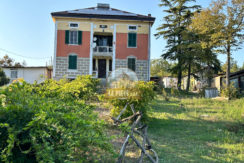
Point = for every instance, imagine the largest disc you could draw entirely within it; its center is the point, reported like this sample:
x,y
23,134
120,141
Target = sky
x,y
27,29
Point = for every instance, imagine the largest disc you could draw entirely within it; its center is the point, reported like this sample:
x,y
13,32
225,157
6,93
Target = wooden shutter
x,y
132,38
79,37
110,65
67,37
132,64
73,62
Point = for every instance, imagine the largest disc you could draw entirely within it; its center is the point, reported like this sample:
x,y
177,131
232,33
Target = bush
x,y
83,87
145,94
230,91
38,128
3,79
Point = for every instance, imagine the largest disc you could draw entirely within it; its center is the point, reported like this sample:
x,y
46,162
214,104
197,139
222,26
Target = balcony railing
x,y
103,51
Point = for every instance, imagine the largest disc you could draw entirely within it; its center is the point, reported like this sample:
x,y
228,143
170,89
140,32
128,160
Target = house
x,y
100,39
237,78
29,74
170,82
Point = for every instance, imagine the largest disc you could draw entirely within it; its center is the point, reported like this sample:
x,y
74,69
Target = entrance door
x,y
101,68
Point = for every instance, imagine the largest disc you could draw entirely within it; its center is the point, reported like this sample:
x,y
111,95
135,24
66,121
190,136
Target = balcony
x,y
105,51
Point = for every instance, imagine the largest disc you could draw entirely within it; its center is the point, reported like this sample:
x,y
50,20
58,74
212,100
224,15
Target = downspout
x,y
149,52
55,49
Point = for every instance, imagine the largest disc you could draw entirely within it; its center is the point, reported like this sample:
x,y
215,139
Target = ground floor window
x,y
110,65
14,74
132,64
72,62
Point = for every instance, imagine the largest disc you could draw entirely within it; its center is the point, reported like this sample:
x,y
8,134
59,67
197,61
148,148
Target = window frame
x,y
78,24
72,55
77,37
128,40
132,29
11,71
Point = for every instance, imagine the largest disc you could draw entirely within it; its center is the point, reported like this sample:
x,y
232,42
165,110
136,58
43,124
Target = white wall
x,y
28,74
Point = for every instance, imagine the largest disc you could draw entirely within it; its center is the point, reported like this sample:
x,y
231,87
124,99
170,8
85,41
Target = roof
x,y
102,12
47,67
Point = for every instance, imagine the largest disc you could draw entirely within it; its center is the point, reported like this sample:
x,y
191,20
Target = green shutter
x,y
72,62
132,64
67,37
132,38
79,37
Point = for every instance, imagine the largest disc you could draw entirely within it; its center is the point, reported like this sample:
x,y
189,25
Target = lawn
x,y
197,130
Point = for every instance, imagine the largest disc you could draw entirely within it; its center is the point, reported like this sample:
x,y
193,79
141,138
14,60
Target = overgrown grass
x,y
197,130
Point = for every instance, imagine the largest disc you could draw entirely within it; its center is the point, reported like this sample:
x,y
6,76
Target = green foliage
x,y
83,87
230,91
160,67
141,102
3,79
39,124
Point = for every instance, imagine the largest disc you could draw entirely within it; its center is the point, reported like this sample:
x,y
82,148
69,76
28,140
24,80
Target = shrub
x,y
230,91
83,87
3,79
36,128
145,94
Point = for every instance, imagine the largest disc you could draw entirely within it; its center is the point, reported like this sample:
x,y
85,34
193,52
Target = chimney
x,y
103,6
149,15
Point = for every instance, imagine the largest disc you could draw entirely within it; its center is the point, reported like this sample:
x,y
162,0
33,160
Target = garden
x,y
69,121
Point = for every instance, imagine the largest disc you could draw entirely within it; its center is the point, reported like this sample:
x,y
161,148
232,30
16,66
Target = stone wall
x,y
62,68
141,67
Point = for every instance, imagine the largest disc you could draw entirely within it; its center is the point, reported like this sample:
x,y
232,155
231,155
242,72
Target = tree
x,y
223,23
176,21
3,79
160,67
6,61
233,66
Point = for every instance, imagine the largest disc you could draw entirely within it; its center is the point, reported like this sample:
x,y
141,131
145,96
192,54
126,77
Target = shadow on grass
x,y
190,139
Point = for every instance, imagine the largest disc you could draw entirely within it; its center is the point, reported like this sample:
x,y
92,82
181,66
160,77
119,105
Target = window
x,y
110,65
14,74
132,40
132,64
72,62
73,25
235,82
132,27
73,37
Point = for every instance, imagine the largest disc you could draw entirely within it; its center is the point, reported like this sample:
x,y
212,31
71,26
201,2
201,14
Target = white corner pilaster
x,y
91,49
114,48
149,52
55,49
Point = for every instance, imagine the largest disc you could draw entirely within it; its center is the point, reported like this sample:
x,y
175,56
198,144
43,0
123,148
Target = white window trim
x,y
74,23
16,73
132,29
128,40
73,70
77,37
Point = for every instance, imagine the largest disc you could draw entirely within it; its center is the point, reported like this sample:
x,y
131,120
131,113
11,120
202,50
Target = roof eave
x,y
109,17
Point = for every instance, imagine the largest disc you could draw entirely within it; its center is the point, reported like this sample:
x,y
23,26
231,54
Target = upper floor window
x,y
132,64
72,62
132,27
73,25
73,37
14,74
132,40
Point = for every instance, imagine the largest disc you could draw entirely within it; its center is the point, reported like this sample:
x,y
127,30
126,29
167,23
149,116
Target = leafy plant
x,y
37,126
145,94
230,91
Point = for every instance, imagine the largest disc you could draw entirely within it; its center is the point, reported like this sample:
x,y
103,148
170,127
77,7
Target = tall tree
x,y
175,24
223,23
233,66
